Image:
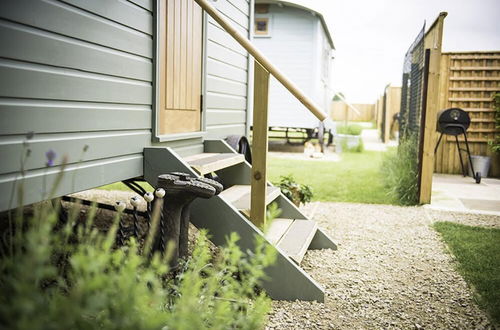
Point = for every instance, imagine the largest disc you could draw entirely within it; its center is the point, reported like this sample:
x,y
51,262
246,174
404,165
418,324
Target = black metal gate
x,y
412,88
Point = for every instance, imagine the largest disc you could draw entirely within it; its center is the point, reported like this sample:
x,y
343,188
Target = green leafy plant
x,y
352,129
296,192
75,277
495,143
400,173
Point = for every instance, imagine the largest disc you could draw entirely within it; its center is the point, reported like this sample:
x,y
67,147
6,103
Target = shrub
x,y
352,129
296,192
495,143
76,278
400,173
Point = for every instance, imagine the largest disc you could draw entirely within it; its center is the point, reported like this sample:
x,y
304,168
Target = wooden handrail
x,y
259,57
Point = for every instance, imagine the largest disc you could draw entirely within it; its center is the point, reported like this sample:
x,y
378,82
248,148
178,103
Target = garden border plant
x,y
495,143
399,171
295,192
72,276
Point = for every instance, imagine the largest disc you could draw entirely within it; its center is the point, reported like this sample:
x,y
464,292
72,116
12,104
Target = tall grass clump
x,y
73,276
400,173
351,129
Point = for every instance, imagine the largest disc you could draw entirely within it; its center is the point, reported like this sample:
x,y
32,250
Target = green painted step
x,y
205,163
293,237
239,196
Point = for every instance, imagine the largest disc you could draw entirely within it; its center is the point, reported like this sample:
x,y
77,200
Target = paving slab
x,y
458,193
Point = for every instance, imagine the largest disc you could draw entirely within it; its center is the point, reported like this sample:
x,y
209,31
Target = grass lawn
x,y
477,251
355,178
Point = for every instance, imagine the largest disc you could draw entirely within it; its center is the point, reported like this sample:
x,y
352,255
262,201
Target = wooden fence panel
x,y
340,112
385,108
392,106
379,111
468,81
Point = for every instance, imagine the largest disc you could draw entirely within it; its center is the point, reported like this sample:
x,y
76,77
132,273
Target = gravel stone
x,y
391,271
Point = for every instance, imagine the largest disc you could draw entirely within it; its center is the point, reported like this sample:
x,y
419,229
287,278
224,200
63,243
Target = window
x,y
262,27
261,8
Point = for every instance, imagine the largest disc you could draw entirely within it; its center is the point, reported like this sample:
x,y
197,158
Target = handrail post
x,y
259,146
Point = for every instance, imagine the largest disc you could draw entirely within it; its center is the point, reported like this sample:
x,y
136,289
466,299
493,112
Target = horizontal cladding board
x,y
146,4
226,55
100,145
38,46
222,131
223,70
122,12
221,85
21,116
218,35
242,30
76,177
189,150
224,101
231,12
76,23
46,82
225,117
241,5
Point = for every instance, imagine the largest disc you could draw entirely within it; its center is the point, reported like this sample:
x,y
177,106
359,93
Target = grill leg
x,y
439,141
464,173
474,174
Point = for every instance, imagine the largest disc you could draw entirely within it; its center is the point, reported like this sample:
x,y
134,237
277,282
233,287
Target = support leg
x,y
474,174
437,144
464,173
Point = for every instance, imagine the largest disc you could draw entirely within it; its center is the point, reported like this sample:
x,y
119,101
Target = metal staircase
x,y
292,234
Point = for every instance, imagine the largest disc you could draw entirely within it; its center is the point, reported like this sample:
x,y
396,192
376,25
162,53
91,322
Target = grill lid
x,y
453,121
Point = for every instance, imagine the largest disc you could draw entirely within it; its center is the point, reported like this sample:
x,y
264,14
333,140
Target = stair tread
x,y
205,163
240,196
277,229
297,239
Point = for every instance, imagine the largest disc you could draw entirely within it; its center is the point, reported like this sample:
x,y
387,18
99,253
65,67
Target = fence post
x,y
259,145
432,41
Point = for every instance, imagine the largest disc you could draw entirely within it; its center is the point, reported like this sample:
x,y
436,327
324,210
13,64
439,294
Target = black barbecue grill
x,y
455,121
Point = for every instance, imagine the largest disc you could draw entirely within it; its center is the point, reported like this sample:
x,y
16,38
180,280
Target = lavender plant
x,y
73,276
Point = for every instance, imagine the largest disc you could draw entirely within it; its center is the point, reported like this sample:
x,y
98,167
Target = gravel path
x,y
390,271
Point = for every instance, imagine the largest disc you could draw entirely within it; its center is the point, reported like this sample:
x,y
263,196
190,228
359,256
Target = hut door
x,y
180,60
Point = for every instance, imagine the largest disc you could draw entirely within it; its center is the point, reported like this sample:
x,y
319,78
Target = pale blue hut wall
x,y
294,45
324,92
80,75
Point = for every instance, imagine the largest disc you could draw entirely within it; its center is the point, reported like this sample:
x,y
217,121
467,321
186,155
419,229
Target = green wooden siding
x,y
79,74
